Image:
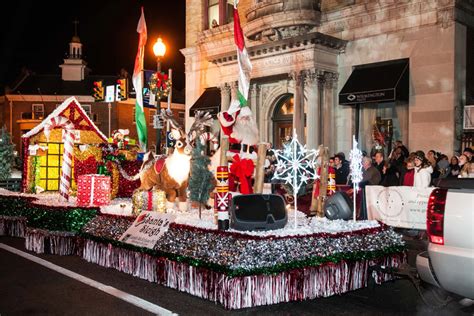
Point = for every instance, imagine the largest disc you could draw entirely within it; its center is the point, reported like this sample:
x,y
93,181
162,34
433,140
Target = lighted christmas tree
x,y
201,180
6,154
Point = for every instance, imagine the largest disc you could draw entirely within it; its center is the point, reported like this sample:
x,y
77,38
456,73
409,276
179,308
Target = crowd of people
x,y
400,168
406,168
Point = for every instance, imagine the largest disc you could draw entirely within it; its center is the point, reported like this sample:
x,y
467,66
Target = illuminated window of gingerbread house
x,y
50,166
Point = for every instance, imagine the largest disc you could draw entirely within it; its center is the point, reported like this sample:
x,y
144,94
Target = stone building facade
x,y
304,52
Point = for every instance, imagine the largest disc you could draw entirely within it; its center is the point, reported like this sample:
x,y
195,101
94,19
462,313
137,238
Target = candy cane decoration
x,y
209,137
68,139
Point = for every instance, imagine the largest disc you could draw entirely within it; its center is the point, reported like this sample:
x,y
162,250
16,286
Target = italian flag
x,y
138,84
245,67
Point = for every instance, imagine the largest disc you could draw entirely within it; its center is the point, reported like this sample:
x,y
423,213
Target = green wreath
x,y
160,85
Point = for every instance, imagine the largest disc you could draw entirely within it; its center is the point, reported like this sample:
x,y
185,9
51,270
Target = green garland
x,y
37,170
73,220
44,217
298,264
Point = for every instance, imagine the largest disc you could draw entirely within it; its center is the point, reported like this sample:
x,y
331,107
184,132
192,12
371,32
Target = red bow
x,y
243,169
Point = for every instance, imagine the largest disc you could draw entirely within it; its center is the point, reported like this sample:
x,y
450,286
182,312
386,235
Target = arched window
x,y
218,12
283,120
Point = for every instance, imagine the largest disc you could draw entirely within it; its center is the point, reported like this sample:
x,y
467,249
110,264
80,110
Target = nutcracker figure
x,y
222,198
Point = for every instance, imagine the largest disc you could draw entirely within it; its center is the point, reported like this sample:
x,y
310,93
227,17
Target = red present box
x,y
93,190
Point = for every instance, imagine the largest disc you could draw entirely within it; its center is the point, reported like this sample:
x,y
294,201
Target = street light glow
x,y
159,49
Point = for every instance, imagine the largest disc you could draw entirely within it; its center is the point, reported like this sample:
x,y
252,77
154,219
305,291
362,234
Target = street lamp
x,y
159,49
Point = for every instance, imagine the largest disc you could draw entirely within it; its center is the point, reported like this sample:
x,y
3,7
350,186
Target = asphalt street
x,y
27,288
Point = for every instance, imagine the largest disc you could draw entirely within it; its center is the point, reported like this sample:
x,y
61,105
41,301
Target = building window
x,y
87,109
38,111
151,114
219,12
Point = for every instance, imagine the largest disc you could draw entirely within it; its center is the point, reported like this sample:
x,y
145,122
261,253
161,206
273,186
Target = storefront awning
x,y
379,82
209,101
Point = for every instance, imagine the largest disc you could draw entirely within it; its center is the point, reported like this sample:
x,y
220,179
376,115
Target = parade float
x,y
195,252
194,249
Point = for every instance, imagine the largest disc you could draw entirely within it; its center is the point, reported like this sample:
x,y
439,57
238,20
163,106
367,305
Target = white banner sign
x,y
147,228
403,207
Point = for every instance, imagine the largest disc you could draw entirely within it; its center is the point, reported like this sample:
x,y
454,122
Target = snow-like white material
x,y
16,174
305,225
38,128
119,206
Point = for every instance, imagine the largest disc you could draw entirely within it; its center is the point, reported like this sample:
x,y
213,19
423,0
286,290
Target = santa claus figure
x,y
120,138
241,129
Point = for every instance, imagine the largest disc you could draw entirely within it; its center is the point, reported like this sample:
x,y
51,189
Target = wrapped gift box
x,y
93,190
154,200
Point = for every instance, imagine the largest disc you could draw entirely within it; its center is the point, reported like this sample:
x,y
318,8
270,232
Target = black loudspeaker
x,y
338,206
258,212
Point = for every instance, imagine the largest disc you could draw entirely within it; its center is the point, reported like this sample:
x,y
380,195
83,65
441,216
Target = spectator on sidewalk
x,y
423,171
379,162
443,166
390,175
409,176
403,148
342,168
370,174
468,152
454,167
466,167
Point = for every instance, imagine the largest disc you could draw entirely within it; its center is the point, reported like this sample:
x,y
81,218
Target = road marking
x,y
132,299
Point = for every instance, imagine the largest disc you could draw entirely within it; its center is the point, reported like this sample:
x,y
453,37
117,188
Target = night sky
x,y
36,35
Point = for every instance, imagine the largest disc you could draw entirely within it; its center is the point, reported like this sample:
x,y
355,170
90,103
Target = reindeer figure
x,y
171,173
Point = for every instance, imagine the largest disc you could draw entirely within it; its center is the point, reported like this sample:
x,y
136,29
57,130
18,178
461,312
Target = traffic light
x,y
99,93
122,86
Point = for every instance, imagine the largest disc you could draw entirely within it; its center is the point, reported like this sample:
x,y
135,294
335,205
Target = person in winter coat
x,y
423,171
467,168
454,168
409,175
390,175
342,168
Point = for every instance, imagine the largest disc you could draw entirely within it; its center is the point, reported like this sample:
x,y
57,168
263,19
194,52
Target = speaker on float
x,y
338,206
258,212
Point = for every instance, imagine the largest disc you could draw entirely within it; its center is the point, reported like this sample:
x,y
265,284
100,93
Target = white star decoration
x,y
296,165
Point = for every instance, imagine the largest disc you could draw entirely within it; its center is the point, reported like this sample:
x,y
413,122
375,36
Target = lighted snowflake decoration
x,y
355,157
356,171
296,165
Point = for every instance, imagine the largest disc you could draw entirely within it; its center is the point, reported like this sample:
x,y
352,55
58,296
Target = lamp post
x,y
159,49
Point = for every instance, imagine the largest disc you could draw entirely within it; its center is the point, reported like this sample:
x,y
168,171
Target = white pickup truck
x,y
449,261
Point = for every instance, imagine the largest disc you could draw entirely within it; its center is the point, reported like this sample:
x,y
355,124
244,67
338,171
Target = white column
x,y
313,119
253,101
225,96
298,111
234,85
330,80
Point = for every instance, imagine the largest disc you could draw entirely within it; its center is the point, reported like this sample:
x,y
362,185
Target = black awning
x,y
209,101
379,82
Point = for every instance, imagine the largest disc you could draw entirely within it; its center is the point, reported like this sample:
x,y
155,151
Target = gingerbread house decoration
x,y
67,128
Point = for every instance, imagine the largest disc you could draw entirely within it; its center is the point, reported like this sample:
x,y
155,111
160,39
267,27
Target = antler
x,y
201,120
168,116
